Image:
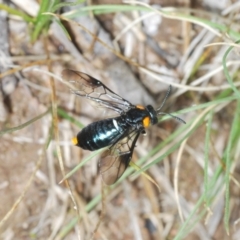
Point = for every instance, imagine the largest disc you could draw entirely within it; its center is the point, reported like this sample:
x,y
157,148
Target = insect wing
x,y
84,85
82,79
113,166
115,160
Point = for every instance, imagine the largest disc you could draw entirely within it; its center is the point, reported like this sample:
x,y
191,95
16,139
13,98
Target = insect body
x,y
109,131
119,133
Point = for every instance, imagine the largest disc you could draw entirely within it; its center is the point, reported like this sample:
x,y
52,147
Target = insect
x,y
120,133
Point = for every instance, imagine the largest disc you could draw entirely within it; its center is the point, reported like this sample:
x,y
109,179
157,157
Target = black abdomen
x,y
99,134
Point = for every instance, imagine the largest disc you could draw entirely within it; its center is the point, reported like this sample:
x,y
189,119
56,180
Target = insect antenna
x,y
169,114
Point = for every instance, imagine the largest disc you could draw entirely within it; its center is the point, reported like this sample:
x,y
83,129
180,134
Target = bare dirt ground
x,y
34,203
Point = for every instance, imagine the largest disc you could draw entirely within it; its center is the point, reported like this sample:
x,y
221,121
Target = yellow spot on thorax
x,y
140,107
146,121
74,141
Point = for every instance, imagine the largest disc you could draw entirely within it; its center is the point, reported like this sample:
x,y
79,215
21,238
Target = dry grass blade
x,y
189,49
180,152
135,166
28,184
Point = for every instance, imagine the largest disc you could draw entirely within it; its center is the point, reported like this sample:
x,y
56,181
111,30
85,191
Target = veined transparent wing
x,y
86,86
116,159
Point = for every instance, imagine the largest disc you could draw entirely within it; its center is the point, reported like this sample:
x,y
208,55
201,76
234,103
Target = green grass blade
x,y
10,130
225,69
62,113
206,158
176,146
167,13
193,218
43,21
66,4
155,150
82,163
233,133
103,9
15,12
68,228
